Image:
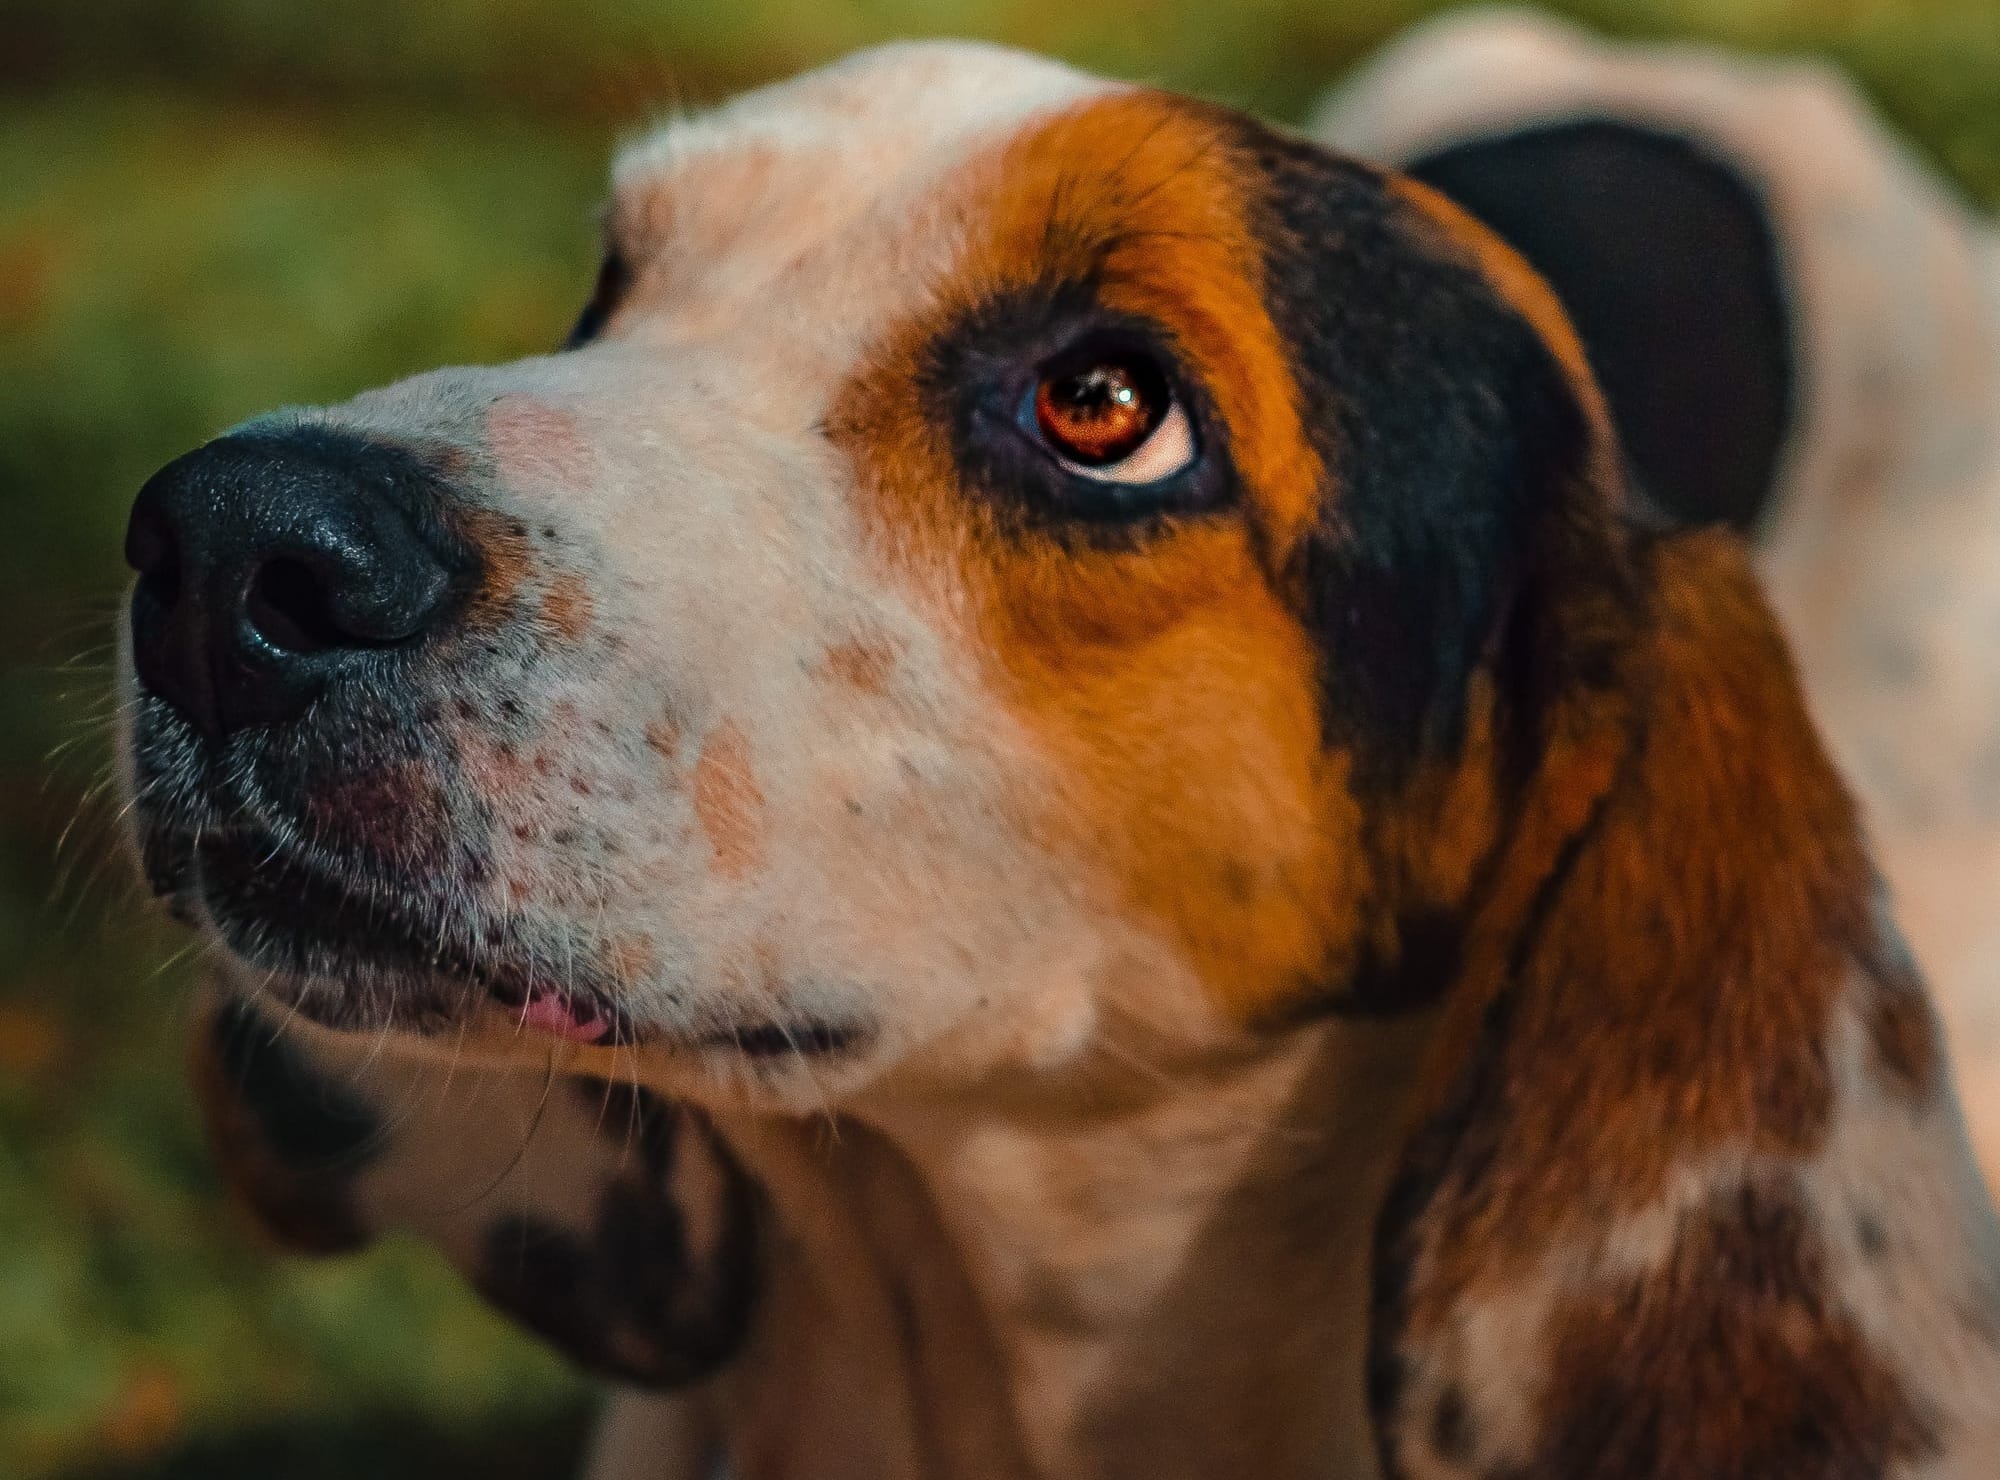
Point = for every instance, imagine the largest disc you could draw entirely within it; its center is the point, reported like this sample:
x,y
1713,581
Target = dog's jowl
x,y
1043,810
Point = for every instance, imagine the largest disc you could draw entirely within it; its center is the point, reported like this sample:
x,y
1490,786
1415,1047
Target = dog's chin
x,y
363,956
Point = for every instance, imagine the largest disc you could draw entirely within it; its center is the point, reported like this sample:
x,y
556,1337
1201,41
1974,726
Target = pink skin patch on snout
x,y
562,1016
533,442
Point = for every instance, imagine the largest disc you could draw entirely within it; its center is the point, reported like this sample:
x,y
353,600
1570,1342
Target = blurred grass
x,y
208,207
168,266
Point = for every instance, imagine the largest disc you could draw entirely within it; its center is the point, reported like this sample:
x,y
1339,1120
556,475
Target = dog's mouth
x,y
352,953
390,923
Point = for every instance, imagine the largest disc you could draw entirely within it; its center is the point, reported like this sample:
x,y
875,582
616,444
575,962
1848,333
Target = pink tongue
x,y
549,1012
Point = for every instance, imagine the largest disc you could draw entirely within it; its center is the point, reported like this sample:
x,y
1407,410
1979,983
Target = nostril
x,y
150,549
162,584
271,565
290,608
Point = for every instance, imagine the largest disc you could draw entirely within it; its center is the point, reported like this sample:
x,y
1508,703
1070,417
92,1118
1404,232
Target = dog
x,y
1053,806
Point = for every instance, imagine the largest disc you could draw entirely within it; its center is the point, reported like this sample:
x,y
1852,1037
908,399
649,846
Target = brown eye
x,y
1103,411
1114,418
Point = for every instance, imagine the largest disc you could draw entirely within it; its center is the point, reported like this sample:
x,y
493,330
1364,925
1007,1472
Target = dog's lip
x,y
391,943
529,1000
771,1040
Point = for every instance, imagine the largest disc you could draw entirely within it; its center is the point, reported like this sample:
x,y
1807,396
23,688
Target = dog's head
x,y
1007,564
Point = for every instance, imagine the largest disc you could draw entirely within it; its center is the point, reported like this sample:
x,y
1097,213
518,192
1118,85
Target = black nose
x,y
270,563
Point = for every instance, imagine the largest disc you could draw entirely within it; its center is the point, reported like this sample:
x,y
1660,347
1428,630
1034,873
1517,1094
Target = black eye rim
x,y
614,279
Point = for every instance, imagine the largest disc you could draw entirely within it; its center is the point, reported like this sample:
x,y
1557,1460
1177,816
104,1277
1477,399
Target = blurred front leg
x,y
607,1220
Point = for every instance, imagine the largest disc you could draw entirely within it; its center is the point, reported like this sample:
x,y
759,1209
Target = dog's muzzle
x,y
298,625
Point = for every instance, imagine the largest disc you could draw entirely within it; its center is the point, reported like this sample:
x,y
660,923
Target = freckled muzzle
x,y
677,758
307,603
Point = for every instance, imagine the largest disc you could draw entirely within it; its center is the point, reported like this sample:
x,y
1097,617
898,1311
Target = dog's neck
x,y
1258,1270
1041,1293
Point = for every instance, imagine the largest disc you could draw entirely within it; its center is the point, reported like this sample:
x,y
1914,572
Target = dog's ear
x,y
1666,258
1463,438
1690,210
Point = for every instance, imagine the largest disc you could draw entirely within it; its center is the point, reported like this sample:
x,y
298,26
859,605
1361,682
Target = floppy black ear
x,y
1450,432
1667,262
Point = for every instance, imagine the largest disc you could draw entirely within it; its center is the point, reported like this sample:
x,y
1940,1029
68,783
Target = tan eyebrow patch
x,y
1170,685
1146,196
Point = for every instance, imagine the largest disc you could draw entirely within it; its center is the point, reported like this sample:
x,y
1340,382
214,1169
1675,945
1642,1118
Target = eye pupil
x,y
1103,412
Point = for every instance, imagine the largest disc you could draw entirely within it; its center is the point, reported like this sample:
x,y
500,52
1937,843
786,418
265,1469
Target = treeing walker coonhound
x,y
1066,801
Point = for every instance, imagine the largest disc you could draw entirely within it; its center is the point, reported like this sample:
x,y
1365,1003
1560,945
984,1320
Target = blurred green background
x,y
208,207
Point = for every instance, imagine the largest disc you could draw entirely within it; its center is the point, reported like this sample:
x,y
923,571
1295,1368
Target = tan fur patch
x,y
506,564
567,606
728,802
863,666
1171,684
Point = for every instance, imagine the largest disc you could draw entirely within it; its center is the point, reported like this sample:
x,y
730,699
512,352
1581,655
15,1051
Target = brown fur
x,y
1902,1029
1784,1383
299,1207
1637,1038
506,564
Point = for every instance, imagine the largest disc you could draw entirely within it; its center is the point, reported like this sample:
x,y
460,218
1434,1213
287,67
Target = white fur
x,y
718,533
